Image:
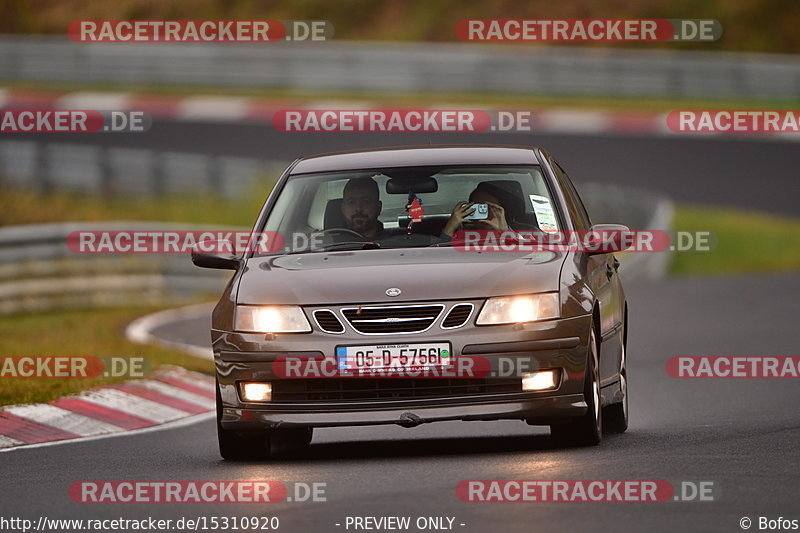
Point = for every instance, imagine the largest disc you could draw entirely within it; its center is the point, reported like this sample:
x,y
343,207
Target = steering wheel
x,y
341,231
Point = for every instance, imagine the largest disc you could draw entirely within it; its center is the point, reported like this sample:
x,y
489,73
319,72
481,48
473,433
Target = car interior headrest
x,y
509,192
333,214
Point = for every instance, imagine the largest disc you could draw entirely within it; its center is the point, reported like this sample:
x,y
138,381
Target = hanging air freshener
x,y
414,209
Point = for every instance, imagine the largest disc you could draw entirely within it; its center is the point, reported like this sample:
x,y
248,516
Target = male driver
x,y
361,206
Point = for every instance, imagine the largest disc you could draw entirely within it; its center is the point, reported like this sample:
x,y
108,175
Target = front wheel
x,y
615,416
240,445
587,429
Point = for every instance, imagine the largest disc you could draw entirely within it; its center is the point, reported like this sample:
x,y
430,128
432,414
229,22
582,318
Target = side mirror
x,y
607,239
215,254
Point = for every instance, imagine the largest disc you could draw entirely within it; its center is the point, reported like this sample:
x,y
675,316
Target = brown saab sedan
x,y
414,285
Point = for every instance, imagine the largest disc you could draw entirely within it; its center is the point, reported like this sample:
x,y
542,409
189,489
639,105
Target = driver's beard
x,y
363,225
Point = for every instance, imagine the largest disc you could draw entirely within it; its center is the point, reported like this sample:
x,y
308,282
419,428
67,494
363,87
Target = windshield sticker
x,y
544,213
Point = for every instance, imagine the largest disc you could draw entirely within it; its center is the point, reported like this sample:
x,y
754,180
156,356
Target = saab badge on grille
x,y
394,291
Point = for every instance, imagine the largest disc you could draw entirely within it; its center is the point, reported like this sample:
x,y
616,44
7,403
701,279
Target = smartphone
x,y
481,212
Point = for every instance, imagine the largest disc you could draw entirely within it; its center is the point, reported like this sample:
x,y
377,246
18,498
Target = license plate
x,y
384,357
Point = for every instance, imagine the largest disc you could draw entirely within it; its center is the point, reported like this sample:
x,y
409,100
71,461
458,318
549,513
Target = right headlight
x,y
270,319
517,309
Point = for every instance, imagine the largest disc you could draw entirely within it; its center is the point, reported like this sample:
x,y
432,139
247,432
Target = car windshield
x,y
407,207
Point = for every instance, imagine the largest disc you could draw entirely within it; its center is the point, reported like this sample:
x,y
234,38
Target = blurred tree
x,y
16,16
748,25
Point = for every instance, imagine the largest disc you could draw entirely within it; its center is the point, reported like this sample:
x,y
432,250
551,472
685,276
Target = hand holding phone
x,y
481,212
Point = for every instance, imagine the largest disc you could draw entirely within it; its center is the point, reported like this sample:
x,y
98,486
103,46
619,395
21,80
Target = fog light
x,y
256,392
544,380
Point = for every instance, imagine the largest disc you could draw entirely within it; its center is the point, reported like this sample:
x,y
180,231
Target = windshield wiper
x,y
352,245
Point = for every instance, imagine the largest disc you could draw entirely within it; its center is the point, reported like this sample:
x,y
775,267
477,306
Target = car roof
x,y
412,156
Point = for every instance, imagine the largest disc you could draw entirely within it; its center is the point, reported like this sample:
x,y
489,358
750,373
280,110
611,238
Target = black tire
x,y
240,445
615,416
586,430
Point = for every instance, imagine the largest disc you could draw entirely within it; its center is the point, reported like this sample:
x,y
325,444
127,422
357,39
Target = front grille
x,y
392,319
457,316
365,389
327,321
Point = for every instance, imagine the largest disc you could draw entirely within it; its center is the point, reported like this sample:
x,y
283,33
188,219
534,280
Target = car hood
x,y
364,276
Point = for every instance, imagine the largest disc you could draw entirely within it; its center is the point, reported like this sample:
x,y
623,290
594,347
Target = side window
x,y
577,211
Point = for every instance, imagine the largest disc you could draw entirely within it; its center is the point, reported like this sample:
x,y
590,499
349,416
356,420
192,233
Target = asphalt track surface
x,y
740,434
744,172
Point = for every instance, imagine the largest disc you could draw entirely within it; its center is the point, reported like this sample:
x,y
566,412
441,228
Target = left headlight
x,y
270,319
523,308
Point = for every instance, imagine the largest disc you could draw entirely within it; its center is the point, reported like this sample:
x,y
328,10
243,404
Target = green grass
x,y
18,206
97,332
745,242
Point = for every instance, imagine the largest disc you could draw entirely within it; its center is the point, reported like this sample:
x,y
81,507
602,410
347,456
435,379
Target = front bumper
x,y
534,410
512,351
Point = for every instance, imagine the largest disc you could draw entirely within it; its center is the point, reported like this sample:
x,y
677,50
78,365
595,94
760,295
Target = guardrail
x,y
129,171
395,67
39,272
